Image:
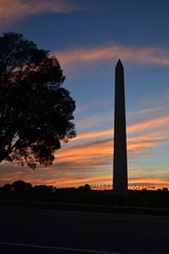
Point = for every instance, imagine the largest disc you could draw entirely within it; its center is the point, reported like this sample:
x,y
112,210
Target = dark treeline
x,y
83,197
21,185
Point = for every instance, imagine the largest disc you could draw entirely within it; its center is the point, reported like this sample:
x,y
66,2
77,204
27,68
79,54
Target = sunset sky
x,y
88,37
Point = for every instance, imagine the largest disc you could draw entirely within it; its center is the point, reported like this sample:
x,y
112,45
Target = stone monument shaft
x,y
120,181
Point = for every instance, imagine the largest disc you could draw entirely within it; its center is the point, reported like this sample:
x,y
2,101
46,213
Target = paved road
x,y
26,230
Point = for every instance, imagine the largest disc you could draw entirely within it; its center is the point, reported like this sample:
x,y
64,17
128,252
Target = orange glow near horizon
x,y
104,181
67,180
90,151
87,157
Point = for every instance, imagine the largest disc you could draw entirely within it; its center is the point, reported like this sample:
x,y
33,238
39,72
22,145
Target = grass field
x,y
75,197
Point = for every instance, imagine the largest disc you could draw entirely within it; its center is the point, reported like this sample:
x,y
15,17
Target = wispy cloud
x,y
93,121
14,10
91,152
93,134
148,111
88,157
149,124
91,105
100,152
74,59
95,148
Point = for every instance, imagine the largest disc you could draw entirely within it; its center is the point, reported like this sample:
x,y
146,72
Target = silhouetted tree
x,y
35,111
85,187
7,187
21,185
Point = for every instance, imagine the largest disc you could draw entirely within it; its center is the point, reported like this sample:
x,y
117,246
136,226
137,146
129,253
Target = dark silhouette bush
x,y
21,186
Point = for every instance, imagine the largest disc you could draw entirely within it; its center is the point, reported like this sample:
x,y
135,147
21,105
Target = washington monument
x,y
120,181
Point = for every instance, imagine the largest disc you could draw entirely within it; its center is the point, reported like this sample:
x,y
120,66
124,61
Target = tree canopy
x,y
36,112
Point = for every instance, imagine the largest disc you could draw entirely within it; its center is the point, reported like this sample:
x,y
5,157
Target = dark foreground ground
x,y
133,202
34,230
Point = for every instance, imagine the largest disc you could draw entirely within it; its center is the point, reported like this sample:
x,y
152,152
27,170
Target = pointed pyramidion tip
x,y
119,63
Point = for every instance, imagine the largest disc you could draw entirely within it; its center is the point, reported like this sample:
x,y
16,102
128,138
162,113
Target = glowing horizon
x,y
90,150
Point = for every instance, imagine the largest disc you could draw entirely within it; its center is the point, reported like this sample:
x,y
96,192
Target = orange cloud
x,y
146,111
94,134
96,148
85,152
156,128
76,182
149,124
140,126
73,59
12,11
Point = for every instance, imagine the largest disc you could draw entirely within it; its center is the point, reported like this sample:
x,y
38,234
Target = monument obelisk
x,y
120,179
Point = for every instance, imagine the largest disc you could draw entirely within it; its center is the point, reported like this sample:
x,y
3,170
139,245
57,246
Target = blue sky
x,y
88,37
